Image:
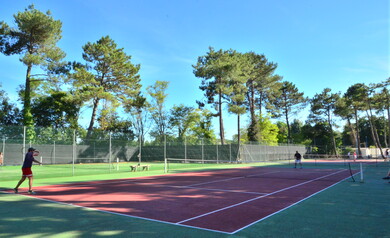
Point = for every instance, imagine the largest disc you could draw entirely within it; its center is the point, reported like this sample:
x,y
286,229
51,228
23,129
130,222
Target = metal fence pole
x,y
24,143
202,151
165,155
217,154
74,151
54,152
3,150
230,152
185,149
109,155
140,149
165,146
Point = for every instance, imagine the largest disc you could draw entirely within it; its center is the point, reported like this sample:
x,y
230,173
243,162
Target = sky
x,y
316,44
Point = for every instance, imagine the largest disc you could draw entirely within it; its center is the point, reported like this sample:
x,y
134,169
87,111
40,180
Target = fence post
x,y
217,154
185,149
140,149
54,152
3,150
165,155
230,152
74,151
201,141
109,151
24,143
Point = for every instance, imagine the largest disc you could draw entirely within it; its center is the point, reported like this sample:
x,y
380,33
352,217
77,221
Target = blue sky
x,y
316,44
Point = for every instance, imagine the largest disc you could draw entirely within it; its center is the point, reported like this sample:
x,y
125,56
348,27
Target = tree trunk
x,y
288,127
94,111
372,130
388,120
357,134
221,129
27,116
238,130
385,132
252,130
353,133
332,134
375,132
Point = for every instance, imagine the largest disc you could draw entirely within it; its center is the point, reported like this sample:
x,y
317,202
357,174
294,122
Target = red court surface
x,y
224,201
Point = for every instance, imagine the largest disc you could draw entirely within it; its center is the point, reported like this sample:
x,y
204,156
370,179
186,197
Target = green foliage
x,y
138,108
34,38
268,131
216,69
283,132
322,107
60,110
157,109
107,75
181,119
288,101
203,128
9,113
261,81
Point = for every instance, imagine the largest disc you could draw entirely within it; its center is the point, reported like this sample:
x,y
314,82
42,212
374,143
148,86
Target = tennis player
x,y
26,170
298,158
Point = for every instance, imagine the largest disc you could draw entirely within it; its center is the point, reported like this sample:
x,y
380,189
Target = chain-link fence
x,y
67,146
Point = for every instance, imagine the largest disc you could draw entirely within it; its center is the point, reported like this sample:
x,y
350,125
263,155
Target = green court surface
x,y
348,209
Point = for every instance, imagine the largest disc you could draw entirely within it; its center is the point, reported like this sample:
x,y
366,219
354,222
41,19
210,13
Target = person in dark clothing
x,y
298,158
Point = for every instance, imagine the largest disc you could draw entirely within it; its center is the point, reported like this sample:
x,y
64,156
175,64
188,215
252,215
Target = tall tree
x,y
288,101
343,110
261,81
323,105
214,68
139,113
382,99
237,79
34,38
108,74
157,110
353,97
371,102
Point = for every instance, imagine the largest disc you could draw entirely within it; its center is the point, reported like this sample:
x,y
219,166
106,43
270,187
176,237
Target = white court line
x,y
289,206
228,179
256,198
116,213
172,223
208,189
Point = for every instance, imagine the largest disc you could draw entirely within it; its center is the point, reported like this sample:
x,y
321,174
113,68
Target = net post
x,y
361,173
165,165
117,164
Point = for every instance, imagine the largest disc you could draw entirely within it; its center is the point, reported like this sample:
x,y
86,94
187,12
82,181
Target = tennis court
x,y
224,201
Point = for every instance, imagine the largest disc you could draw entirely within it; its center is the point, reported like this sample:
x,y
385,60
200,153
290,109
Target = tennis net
x,y
266,170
